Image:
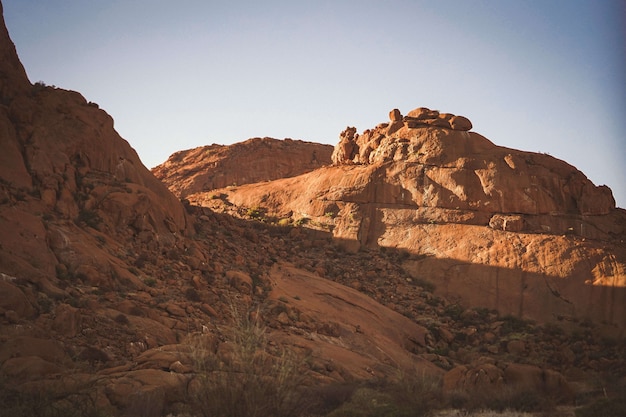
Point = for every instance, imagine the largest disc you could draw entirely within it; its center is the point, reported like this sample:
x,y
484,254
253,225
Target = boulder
x,y
395,115
67,321
422,113
13,299
240,280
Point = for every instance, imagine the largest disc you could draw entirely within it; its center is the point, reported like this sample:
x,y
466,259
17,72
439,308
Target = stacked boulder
x,y
355,148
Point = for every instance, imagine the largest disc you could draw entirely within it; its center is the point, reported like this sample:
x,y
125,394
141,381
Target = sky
x,y
536,75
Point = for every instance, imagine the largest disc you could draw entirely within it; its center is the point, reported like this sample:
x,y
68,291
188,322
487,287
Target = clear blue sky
x,y
536,75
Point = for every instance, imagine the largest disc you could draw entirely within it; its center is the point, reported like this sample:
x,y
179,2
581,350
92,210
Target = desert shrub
x,y
284,222
90,218
521,401
257,213
251,380
409,396
514,324
326,398
453,311
367,402
122,319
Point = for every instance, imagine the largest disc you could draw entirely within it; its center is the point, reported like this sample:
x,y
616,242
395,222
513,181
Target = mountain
x,y
519,232
330,294
255,160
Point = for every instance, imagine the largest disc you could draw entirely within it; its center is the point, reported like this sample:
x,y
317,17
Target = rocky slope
x,y
117,298
255,160
520,232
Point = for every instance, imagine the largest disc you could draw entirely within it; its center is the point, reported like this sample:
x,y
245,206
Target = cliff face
x,y
255,160
67,176
13,79
521,232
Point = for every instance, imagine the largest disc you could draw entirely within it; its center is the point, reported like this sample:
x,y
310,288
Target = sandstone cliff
x,y
255,160
520,232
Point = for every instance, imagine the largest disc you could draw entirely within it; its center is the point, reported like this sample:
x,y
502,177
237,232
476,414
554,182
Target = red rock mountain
x,y
118,299
519,232
255,160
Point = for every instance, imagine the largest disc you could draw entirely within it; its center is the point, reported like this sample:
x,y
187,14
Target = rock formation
x,y
255,160
520,232
358,149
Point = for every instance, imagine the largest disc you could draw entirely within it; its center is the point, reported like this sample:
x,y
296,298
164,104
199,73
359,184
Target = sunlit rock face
x,y
521,232
255,160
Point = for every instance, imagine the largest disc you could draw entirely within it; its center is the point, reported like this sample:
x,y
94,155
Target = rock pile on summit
x,y
354,148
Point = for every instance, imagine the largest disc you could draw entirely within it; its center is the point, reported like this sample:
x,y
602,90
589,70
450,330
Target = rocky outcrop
x,y
447,168
64,169
255,160
13,78
521,232
354,148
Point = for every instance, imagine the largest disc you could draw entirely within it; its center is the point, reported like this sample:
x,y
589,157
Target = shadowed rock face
x,y
255,160
64,166
521,232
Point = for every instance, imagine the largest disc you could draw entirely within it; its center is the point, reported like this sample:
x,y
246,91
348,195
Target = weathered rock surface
x,y
255,160
343,321
520,232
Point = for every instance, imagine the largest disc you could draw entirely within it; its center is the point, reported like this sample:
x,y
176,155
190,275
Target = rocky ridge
x,y
255,160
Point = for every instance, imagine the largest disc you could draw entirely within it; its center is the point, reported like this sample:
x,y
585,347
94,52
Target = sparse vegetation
x,y
410,396
514,324
252,379
256,213
89,218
